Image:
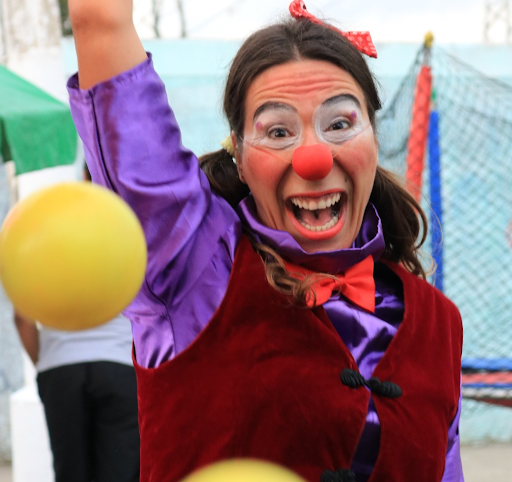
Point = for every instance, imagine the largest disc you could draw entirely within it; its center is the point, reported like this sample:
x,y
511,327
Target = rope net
x,y
466,186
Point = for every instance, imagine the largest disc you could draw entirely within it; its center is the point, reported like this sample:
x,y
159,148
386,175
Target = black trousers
x,y
91,413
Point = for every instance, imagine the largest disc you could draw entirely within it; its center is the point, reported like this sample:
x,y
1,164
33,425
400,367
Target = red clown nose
x,y
312,163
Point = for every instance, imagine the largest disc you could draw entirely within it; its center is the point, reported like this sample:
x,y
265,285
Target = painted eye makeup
x,y
339,120
275,128
279,126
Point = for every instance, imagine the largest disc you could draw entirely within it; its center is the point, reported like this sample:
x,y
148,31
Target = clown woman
x,y
284,314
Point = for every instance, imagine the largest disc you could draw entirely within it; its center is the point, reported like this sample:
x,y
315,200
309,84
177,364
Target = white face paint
x,y
339,120
279,129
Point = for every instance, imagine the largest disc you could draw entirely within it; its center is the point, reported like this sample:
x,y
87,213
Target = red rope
x,y
419,132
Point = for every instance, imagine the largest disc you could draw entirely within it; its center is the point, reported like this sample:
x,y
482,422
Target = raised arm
x,y
105,39
132,145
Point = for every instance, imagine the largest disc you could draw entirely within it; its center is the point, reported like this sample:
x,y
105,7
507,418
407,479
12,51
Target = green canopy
x,y
36,130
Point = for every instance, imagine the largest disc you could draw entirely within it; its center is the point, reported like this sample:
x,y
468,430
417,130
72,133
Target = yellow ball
x,y
243,470
72,256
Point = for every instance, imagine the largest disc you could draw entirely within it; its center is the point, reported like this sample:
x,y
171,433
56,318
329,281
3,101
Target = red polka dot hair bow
x,y
362,41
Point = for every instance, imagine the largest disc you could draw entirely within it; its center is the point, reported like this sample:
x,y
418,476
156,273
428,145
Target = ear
x,y
238,157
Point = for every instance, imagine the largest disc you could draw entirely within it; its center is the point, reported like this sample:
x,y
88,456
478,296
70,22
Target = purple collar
x,y
370,240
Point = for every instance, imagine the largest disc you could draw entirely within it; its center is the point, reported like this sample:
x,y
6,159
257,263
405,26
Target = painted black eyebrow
x,y
337,98
279,105
272,105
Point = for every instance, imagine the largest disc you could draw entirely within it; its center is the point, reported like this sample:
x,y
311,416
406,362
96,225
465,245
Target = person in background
x,y
88,387
284,314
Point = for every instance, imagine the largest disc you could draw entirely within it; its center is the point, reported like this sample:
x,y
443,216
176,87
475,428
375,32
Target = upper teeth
x,y
321,203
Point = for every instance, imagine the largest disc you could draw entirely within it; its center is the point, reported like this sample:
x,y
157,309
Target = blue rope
x,y
436,218
487,364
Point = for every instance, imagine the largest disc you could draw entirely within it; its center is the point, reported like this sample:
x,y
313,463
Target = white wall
x,y
31,454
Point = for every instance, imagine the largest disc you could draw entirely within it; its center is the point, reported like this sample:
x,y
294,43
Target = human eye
x,y
278,132
339,124
280,136
277,128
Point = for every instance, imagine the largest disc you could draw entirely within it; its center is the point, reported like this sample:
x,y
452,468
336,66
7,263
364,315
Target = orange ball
x,y
243,470
72,256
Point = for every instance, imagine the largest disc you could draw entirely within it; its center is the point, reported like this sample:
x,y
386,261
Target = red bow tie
x,y
356,284
362,41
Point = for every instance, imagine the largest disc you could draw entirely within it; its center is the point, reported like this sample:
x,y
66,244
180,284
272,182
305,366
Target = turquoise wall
x,y
194,72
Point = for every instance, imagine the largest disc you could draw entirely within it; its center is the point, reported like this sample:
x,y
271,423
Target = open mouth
x,y
318,214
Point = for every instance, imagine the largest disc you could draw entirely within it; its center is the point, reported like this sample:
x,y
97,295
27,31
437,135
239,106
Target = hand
x,y
105,39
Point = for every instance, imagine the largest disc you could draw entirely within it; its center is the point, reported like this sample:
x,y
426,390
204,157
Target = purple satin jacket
x,y
133,146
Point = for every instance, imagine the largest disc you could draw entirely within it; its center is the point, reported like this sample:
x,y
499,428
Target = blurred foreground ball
x,y
243,470
72,256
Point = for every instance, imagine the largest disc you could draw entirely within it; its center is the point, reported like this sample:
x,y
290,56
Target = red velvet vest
x,y
263,380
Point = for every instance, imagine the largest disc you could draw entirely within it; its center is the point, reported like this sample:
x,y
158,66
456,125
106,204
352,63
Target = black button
x,y
385,389
354,379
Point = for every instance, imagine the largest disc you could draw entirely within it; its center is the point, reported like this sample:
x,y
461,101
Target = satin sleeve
x,y
132,145
453,467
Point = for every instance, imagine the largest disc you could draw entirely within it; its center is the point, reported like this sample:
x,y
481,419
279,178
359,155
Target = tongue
x,y
316,218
